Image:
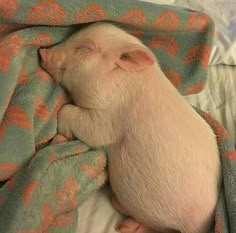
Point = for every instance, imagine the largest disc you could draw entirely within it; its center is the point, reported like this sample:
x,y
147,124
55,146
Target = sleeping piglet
x,y
163,159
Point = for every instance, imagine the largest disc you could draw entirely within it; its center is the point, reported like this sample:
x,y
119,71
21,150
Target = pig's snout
x,y
51,59
44,57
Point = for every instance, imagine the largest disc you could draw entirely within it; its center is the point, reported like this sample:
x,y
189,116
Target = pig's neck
x,y
138,94
142,106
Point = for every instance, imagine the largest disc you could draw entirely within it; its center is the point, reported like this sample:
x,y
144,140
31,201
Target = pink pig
x,y
164,165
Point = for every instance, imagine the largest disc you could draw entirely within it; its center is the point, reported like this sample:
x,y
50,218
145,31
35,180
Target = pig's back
x,y
165,172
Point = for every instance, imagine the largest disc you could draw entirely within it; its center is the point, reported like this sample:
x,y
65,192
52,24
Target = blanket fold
x,y
43,176
49,189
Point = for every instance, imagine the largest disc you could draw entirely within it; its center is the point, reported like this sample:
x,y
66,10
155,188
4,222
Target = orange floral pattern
x,y
173,76
167,21
9,47
167,43
135,17
8,8
93,12
48,11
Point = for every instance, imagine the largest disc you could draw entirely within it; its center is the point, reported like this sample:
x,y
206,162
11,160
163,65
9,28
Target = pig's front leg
x,y
74,121
64,121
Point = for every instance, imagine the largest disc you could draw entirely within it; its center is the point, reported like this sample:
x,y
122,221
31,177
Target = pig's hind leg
x,y
116,204
129,225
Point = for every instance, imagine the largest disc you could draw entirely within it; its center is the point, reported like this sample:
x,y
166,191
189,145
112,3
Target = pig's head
x,y
96,64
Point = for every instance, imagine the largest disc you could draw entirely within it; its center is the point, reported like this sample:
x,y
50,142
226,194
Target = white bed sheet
x,y
97,215
218,98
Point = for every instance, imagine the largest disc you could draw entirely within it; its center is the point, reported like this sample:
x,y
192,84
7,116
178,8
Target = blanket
x,y
44,177
225,218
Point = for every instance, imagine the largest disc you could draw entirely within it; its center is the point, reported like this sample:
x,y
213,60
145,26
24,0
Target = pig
x,y
163,159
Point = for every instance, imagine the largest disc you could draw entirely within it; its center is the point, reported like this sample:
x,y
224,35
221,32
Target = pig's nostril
x,y
43,54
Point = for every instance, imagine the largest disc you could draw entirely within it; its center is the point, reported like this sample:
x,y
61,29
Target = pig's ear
x,y
135,59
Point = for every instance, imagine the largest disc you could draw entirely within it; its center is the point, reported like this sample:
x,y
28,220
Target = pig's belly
x,y
138,190
157,193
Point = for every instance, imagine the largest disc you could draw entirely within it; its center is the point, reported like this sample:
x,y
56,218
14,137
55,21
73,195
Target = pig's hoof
x,y
129,225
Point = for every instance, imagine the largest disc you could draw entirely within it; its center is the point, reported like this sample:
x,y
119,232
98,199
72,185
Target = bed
x,y
44,177
217,98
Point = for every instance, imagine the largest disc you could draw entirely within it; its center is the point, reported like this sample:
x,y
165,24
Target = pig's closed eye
x,y
84,51
124,56
82,48
86,45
